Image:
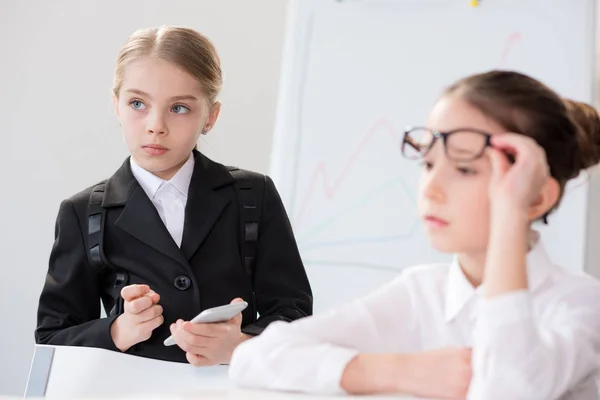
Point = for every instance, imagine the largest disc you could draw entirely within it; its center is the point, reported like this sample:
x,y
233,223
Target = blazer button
x,y
182,282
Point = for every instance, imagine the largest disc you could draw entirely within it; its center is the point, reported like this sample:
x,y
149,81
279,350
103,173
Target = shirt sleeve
x,y
310,354
517,355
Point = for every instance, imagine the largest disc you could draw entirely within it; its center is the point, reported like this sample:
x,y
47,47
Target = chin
x,y
444,244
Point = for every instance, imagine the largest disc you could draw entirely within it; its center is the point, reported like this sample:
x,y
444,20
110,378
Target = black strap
x,y
96,217
250,207
96,220
250,213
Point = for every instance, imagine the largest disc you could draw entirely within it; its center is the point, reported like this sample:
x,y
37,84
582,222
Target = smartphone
x,y
213,315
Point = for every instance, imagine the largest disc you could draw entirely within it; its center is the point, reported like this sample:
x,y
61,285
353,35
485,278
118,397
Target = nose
x,y
155,124
432,187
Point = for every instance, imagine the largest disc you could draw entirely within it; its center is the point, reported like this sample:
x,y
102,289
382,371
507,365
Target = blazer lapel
x,y
139,217
204,204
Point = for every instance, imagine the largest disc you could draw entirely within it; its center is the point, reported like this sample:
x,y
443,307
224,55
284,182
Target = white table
x,y
64,373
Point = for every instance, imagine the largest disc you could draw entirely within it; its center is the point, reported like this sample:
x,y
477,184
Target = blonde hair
x,y
184,47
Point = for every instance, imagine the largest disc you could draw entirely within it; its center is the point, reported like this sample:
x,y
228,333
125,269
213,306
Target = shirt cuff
x,y
331,369
505,309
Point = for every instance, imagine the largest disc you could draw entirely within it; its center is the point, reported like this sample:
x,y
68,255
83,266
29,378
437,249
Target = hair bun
x,y
587,121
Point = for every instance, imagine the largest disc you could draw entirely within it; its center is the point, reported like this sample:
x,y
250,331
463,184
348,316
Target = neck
x,y
166,174
473,266
169,173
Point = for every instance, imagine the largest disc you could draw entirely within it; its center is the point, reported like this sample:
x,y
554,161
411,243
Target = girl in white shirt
x,y
501,321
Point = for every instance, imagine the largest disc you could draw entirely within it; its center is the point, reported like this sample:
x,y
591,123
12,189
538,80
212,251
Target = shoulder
x,y
220,174
79,201
82,197
572,286
245,175
420,280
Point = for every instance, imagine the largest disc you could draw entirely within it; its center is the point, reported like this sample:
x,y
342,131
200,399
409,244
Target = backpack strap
x,y
250,214
250,210
96,256
96,217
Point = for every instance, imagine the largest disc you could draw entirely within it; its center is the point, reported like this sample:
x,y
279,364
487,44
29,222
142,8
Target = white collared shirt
x,y
542,343
169,197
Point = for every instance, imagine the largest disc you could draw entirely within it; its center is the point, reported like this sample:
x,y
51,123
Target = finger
x,y
132,292
197,360
514,144
237,320
148,314
192,338
499,161
154,296
199,345
186,335
529,155
188,342
153,323
512,140
138,305
213,330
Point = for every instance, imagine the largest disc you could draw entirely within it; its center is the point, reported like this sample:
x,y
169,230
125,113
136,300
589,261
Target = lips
x,y
155,149
155,146
436,222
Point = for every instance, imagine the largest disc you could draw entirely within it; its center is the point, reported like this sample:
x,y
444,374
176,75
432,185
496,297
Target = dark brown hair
x,y
569,131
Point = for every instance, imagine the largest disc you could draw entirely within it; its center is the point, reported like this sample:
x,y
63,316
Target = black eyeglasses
x,y
461,145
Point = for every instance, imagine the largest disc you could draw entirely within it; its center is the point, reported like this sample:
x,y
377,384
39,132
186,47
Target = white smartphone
x,y
212,315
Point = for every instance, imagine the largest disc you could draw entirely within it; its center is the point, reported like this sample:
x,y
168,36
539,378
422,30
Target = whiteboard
x,y
355,73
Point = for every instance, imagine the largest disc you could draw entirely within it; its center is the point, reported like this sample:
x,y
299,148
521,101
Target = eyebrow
x,y
463,150
174,98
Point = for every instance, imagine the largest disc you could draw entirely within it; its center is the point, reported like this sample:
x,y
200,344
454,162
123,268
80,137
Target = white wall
x,y
58,133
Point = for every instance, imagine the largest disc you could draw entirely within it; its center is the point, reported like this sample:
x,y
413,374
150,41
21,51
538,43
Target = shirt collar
x,y
151,183
459,290
181,180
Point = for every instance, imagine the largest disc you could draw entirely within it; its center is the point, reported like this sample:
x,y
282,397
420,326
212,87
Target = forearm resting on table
x,y
373,373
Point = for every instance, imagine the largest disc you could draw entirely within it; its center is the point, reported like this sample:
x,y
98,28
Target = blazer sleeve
x,y
69,305
281,286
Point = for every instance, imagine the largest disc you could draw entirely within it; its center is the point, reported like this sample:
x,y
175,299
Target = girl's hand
x,y
516,186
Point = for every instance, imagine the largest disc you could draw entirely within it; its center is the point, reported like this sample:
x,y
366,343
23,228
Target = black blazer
x,y
136,240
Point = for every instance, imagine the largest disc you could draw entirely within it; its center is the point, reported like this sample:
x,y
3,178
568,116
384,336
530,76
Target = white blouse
x,y
542,343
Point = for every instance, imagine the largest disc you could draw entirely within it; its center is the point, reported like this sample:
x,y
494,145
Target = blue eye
x,y
180,109
137,104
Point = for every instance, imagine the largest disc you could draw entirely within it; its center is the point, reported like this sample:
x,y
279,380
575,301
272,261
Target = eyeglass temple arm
x,y
412,144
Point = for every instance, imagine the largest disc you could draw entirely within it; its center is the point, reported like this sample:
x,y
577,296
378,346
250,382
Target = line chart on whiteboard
x,y
350,205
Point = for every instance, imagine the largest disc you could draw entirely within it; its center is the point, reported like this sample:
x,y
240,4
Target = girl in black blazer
x,y
171,233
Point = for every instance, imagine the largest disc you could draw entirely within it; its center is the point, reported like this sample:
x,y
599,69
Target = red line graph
x,y
511,42
331,189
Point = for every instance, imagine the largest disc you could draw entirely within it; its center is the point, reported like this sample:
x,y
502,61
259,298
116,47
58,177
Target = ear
x,y
546,200
116,105
213,115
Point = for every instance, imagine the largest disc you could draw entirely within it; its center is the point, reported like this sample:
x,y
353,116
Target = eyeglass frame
x,y
444,136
